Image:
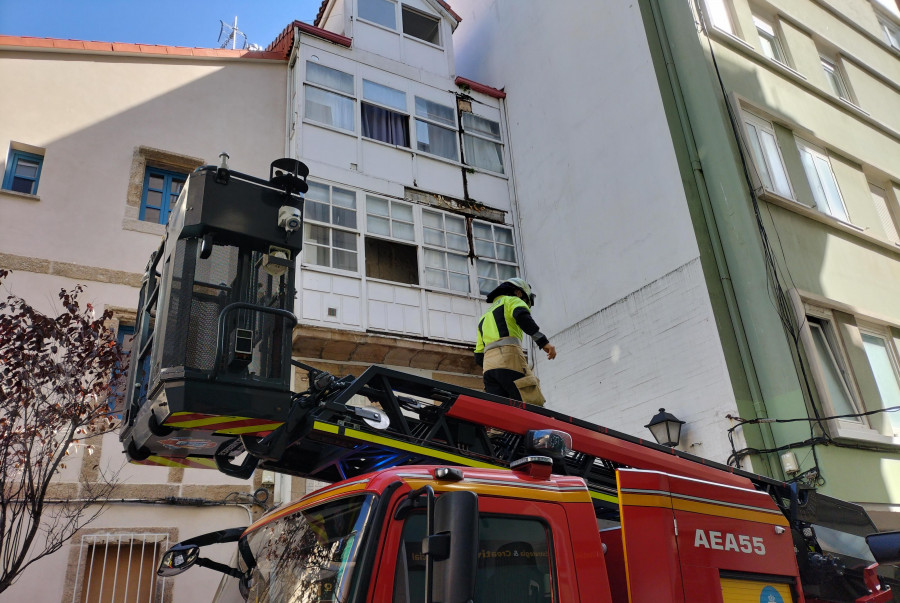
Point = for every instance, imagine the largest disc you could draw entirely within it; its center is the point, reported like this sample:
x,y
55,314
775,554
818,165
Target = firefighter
x,y
499,348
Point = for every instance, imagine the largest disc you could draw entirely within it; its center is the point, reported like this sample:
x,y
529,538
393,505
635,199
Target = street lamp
x,y
666,428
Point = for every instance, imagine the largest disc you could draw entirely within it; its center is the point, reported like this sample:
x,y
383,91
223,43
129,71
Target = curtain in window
x,y
483,153
384,125
436,140
329,108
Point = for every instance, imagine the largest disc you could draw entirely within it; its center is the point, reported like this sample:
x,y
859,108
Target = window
x,y
23,171
431,135
880,200
387,120
120,567
481,143
125,339
514,561
719,15
496,255
161,189
891,31
391,260
383,12
329,96
767,155
446,251
769,41
822,181
422,26
881,351
329,229
834,384
836,80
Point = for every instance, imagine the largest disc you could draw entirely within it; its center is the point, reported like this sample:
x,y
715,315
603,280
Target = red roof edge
x,y
450,10
496,93
284,43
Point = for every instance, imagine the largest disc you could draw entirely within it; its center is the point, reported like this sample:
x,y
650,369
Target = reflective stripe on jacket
x,y
504,323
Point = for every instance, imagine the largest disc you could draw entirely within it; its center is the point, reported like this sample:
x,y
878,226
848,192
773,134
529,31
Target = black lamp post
x,y
666,428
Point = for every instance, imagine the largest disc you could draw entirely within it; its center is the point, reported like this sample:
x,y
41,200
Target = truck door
x,y
702,541
524,556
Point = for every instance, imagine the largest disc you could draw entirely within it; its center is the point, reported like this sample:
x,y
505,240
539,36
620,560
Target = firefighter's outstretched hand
x,y
551,351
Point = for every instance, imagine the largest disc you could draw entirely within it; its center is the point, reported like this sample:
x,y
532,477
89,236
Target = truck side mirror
x,y
885,546
178,559
456,516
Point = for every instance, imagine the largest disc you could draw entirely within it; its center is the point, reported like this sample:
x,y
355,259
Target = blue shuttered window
x,y
23,170
161,188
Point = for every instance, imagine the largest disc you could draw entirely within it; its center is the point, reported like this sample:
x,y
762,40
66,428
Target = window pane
x,y
382,12
457,263
484,249
384,95
151,215
829,185
421,26
503,235
401,211
435,259
483,153
486,269
435,278
435,112
775,165
506,253
834,381
434,237
379,226
885,376
436,140
320,256
329,77
345,260
329,108
385,125
26,168
317,234
459,282
377,207
344,217
433,219
344,240
505,271
156,182
154,199
718,15
402,230
343,198
316,211
481,125
457,242
454,224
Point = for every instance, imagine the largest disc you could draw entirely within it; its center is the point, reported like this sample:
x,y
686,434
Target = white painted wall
x,y
606,234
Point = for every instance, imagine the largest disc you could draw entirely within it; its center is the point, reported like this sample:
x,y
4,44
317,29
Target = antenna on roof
x,y
229,35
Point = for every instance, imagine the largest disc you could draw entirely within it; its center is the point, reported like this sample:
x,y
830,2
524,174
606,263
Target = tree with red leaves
x,y
55,383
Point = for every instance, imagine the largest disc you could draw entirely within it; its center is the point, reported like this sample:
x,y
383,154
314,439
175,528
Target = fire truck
x,y
437,493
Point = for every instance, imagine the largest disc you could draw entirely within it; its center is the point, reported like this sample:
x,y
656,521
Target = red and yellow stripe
x,y
221,424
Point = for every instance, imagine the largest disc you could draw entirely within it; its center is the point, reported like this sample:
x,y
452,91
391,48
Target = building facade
x,y
409,219
769,131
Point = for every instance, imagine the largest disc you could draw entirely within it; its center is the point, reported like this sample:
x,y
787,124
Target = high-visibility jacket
x,y
503,324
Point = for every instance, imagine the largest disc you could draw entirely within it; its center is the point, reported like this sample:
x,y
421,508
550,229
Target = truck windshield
x,y
309,555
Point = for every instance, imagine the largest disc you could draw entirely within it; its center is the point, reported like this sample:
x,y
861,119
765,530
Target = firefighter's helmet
x,y
509,286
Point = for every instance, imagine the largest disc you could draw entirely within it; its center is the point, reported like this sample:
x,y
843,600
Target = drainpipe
x,y
774,468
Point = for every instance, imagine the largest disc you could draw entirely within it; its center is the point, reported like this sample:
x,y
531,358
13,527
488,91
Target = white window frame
x,y
837,79
720,14
822,180
411,9
446,250
890,30
496,262
392,205
768,33
890,344
883,205
394,27
307,84
767,170
437,123
470,133
309,222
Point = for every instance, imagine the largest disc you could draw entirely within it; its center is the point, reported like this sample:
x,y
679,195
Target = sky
x,y
168,22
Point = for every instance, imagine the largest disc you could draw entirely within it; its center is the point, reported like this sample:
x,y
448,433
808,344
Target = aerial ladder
x,y
210,386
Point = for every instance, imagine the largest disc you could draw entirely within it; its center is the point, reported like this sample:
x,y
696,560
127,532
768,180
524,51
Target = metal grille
x,y
178,303
120,568
215,286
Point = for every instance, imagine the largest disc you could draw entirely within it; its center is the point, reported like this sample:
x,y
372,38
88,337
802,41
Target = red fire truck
x,y
438,493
